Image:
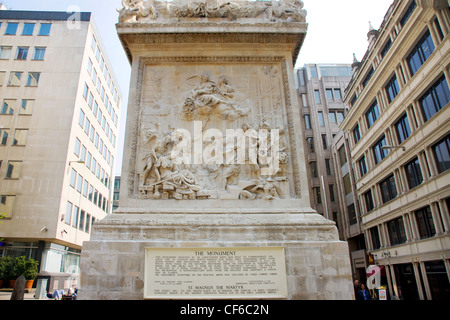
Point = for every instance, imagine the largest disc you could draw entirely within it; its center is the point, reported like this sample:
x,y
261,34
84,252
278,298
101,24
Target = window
x,y
91,193
11,29
26,107
7,205
76,211
79,183
356,134
22,53
413,173
435,98
331,189
8,107
310,144
328,166
425,223
73,178
14,79
83,153
95,200
337,94
420,53
313,70
332,117
402,128
88,160
317,96
340,116
85,188
97,53
408,13
342,156
87,126
88,221
329,93
362,166
372,114
2,77
324,142
352,214
89,66
321,121
396,230
81,118
13,169
438,29
33,79
20,137
304,100
369,201
307,121
441,152
313,166
3,137
375,237
378,151
347,184
39,53
317,195
388,189
68,215
353,100
77,147
45,29
386,48
392,89
368,77
82,219
5,52
93,44
28,29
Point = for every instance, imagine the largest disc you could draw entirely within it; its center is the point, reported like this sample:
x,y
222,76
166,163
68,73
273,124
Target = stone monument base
x,y
317,264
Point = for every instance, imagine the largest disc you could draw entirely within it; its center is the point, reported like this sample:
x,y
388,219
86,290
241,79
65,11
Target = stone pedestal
x,y
317,264
212,81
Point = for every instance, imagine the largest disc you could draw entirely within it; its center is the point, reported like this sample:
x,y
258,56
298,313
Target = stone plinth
x,y
317,264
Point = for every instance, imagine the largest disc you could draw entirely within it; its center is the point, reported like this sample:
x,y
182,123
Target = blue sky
x,y
337,29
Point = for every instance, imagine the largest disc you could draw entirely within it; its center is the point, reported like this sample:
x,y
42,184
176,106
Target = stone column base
x,y
317,263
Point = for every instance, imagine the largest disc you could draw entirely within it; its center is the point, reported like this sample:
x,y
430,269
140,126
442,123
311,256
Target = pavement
x,y
6,295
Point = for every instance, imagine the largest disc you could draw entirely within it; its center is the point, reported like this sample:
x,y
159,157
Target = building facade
x,y
398,136
59,117
321,88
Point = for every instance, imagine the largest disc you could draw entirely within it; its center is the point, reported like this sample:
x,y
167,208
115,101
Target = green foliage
x,y
11,268
6,268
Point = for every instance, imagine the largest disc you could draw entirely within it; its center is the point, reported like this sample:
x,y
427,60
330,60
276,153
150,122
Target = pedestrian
x,y
363,293
356,287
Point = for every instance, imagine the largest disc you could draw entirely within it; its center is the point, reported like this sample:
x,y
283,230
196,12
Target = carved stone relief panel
x,y
209,130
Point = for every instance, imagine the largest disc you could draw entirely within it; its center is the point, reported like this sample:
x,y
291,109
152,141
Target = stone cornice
x,y
151,36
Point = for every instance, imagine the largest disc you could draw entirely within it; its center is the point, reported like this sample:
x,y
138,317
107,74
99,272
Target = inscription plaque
x,y
215,273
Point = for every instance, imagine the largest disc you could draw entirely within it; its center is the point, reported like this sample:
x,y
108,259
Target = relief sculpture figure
x,y
210,98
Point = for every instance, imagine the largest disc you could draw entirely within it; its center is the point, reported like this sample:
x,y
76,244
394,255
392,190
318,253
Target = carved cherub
x,y
134,10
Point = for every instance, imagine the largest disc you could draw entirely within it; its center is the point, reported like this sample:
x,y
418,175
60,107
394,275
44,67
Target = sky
x,y
336,30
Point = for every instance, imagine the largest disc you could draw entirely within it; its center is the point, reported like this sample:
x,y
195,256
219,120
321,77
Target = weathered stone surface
x,y
228,73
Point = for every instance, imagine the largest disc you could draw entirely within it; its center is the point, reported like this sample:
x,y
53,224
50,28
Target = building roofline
x,y
42,15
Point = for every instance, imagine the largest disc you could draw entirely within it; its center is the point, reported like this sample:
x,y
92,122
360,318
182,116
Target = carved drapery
x,y
155,176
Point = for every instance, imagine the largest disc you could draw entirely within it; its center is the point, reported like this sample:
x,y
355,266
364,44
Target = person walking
x,y
363,293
